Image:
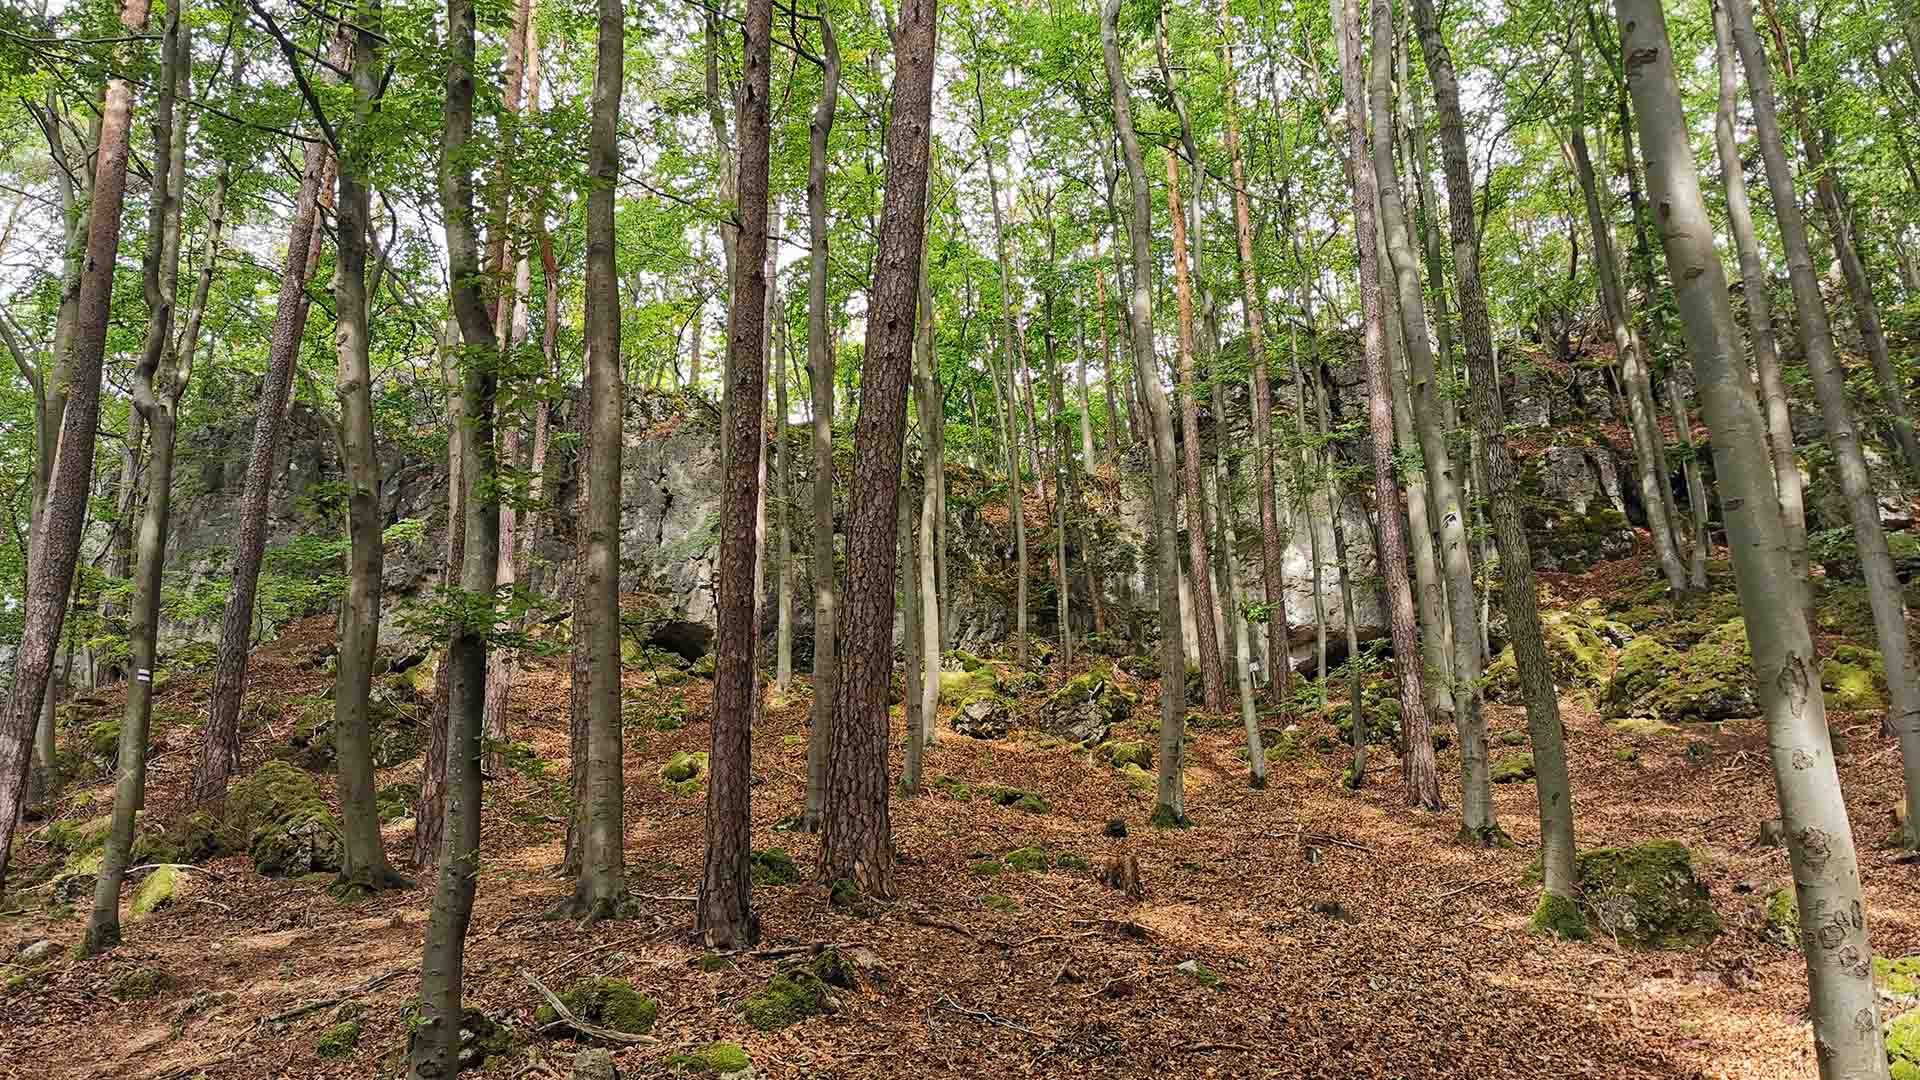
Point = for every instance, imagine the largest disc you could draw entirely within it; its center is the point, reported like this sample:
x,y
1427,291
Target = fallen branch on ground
x,y
568,1020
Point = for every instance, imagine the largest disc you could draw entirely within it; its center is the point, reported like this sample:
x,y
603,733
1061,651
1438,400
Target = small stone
x,y
42,950
1116,828
594,1064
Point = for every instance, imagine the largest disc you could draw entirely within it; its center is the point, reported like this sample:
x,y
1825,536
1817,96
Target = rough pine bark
x,y
857,844
1834,939
1884,593
724,913
56,547
1170,796
1417,764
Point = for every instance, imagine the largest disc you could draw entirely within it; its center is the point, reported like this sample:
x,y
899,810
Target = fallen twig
x,y
941,924
568,1020
595,951
672,899
982,1014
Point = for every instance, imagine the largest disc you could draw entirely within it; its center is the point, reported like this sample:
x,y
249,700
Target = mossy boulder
x,y
1140,666
396,801
684,767
1644,664
289,829
714,1059
1580,651
157,890
1709,682
1854,679
338,1040
607,1003
957,686
1903,1045
1780,919
1646,895
140,984
1119,755
1016,798
786,999
774,867
961,660
1511,769
1023,683
705,666
1087,706
984,714
1138,778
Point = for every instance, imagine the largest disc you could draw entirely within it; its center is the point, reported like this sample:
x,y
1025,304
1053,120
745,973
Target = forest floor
x,y
1351,937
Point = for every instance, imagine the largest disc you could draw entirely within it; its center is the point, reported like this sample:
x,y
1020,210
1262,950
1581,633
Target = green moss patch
x,y
957,686
1020,799
1899,976
338,1040
1646,895
1200,973
786,999
996,902
607,1003
714,1059
1710,681
1580,653
157,890
1557,916
1854,679
1119,755
1028,858
1780,922
774,867
140,984
1511,769
1903,1046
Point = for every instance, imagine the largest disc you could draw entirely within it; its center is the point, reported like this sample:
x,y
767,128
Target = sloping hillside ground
x,y
1323,933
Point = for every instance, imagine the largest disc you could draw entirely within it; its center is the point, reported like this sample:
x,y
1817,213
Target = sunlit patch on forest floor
x,y
1333,934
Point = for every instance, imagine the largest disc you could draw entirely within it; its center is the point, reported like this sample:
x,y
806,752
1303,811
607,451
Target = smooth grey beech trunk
x,y
158,380
1834,940
1754,275
1884,592
1170,798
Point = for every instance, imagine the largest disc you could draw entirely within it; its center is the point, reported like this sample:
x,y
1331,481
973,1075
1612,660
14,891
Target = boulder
x,y
1580,649
957,686
984,716
39,952
1646,895
1087,706
1780,920
1511,769
786,999
157,891
684,767
1711,681
607,1003
1119,755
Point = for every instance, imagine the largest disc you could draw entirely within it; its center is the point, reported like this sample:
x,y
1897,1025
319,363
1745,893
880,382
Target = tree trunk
x,y
857,843
782,460
1170,798
725,918
364,865
1696,487
1212,678
1787,481
600,892
1545,733
1846,1028
161,274
220,740
1884,593
430,808
1443,479
913,632
820,367
1417,764
55,549
931,402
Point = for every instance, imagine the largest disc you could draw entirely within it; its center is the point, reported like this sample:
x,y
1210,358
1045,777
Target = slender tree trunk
x,y
1302,504
782,461
161,279
913,632
364,866
55,548
1212,678
1551,786
1417,764
932,405
1442,477
600,892
430,808
1846,1028
220,739
1170,797
434,1044
1884,593
1115,418
857,844
580,658
820,367
1696,487
1787,481
724,913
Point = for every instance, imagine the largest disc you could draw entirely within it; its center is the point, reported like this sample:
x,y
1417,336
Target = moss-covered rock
x,y
1780,921
1644,726
713,1059
338,1040
684,771
1137,778
1087,706
288,828
1580,654
1016,798
1512,737
396,800
1643,665
607,1003
786,999
983,714
302,842
1140,666
1711,681
140,983
1200,973
1903,1045
774,867
704,667
157,890
1511,769
1031,859
957,686
1854,679
1646,895
961,660
1119,755
1023,683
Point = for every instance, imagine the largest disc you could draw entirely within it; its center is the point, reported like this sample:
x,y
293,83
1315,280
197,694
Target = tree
x,y
1884,593
725,918
56,541
1170,797
434,1044
1826,876
158,382
820,375
1417,765
857,844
